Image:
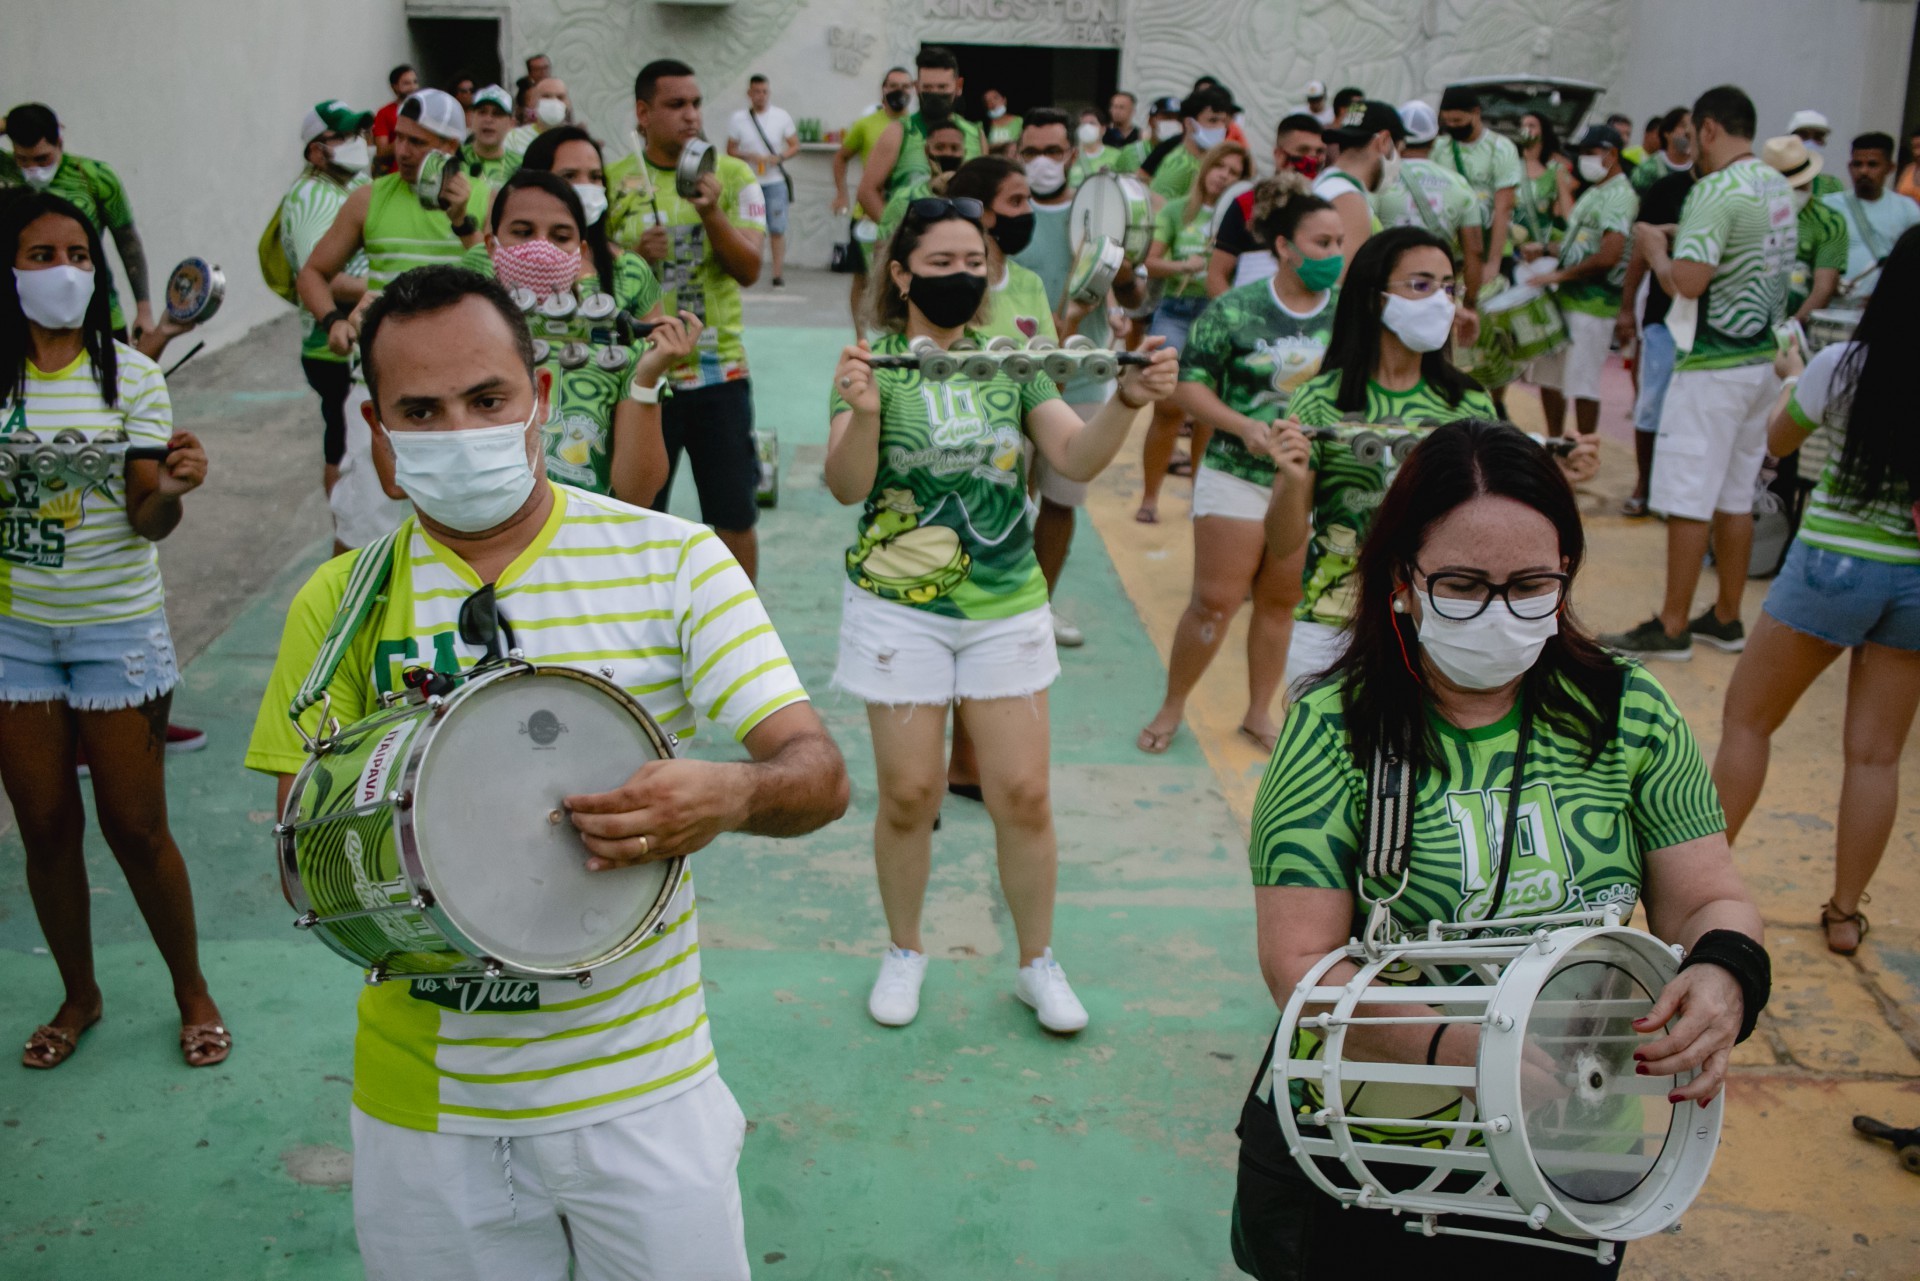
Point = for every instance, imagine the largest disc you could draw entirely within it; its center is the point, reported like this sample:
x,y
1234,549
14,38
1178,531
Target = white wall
x,y
197,105
1844,58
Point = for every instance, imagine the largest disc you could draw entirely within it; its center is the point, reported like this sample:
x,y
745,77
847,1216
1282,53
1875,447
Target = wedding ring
x,y
646,846
846,381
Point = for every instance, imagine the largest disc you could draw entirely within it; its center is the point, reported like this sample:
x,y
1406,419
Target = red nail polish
x,y
1641,1069
1676,1098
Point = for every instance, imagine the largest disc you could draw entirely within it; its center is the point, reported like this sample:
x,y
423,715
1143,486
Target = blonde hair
x,y
1213,159
1279,203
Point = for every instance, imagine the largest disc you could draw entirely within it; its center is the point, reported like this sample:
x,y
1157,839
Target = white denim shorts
x,y
1712,441
1217,493
898,655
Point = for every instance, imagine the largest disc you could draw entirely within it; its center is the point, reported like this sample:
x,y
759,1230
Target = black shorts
x,y
333,380
715,427
856,252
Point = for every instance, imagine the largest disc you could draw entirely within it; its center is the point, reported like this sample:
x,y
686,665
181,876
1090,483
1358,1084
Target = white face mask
x,y
471,480
41,177
1593,168
1045,175
1422,324
1088,133
593,199
550,112
55,297
994,113
351,154
1166,130
1485,652
1207,137
1389,171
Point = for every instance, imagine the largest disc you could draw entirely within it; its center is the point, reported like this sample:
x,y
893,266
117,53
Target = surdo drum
x,y
1550,1130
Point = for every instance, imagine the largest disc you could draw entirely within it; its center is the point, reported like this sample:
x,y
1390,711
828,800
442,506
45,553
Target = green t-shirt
x,y
691,276
1346,491
1824,241
1651,170
1740,221
95,190
399,235
495,171
1004,132
1489,165
1534,218
1085,166
1825,184
1020,308
1254,355
1174,178
1426,195
911,164
1132,156
945,526
307,212
1609,207
860,137
1184,238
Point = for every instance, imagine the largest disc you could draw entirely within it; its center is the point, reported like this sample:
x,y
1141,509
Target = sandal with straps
x,y
50,1046
1831,915
205,1044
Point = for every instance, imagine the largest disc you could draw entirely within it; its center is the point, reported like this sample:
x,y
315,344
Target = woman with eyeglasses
x,y
1548,776
86,659
945,604
603,430
1246,358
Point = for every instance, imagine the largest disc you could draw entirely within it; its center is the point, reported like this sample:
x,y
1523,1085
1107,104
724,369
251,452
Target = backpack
x,y
274,267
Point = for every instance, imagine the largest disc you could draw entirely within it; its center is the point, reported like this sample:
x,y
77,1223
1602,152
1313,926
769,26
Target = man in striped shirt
x,y
486,1113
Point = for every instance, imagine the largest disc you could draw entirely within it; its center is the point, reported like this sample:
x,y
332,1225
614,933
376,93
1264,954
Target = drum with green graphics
x,y
431,838
1528,321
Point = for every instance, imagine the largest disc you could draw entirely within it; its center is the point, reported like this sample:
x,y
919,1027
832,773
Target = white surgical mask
x,y
593,199
994,113
55,297
1421,323
39,177
1165,130
1088,133
1485,652
1045,175
1389,170
470,480
1207,137
1593,168
351,154
550,112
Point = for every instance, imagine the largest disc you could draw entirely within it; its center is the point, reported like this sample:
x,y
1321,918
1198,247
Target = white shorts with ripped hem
x,y
1713,438
897,655
1217,493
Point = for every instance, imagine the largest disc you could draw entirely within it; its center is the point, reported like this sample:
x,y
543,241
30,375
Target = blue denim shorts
x,y
94,667
1847,600
1174,317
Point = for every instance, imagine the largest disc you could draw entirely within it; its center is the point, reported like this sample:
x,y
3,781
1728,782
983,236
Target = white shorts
x,y
362,512
1713,438
1057,489
1315,647
1218,493
898,655
1575,369
649,1195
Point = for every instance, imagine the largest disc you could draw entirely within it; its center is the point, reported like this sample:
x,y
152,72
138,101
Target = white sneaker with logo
x,y
1043,985
1066,635
895,998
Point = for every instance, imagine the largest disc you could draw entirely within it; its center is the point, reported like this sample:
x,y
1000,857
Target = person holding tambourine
x,y
1548,777
945,603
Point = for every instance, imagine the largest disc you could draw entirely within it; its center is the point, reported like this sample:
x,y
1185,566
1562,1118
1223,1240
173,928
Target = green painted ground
x,y
970,1145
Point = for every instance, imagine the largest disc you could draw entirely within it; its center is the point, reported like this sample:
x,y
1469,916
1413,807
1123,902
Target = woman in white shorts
x,y
1244,357
945,603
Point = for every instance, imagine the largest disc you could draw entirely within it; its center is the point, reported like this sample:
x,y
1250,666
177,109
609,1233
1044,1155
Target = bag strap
x,y
1420,206
366,583
1870,233
771,151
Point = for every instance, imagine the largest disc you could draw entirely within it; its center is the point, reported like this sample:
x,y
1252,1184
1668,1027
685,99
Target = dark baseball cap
x,y
1595,136
1167,106
1363,119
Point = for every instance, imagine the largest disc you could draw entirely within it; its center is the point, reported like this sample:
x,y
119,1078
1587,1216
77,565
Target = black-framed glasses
x,y
1427,286
940,208
483,626
1459,596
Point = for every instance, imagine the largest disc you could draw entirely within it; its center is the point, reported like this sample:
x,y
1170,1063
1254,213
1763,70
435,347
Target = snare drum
x,y
697,160
1830,325
435,167
430,838
1096,265
1528,321
1560,1135
1116,207
194,291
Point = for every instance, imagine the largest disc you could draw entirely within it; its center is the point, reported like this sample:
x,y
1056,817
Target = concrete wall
x,y
197,105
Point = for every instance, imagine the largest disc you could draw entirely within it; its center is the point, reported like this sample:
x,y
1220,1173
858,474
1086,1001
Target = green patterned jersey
x,y
1534,218
896,211
1652,170
1132,156
911,164
1601,211
1346,491
1491,164
1184,238
1824,242
307,212
1174,178
691,276
1004,132
945,526
496,170
95,190
1254,354
1740,221
1427,195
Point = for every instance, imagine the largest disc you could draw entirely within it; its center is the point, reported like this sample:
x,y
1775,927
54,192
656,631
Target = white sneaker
x,y
895,999
1043,985
1066,635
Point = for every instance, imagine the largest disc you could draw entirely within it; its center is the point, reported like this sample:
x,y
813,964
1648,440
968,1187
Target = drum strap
x,y
366,583
1876,243
1421,208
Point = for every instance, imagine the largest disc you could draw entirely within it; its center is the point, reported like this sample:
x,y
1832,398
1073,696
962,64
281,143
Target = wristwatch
x,y
464,228
648,393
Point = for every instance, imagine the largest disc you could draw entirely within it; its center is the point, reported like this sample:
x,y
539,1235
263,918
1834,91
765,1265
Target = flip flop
x,y
1635,507
1181,466
1153,742
205,1044
1147,516
50,1046
1265,742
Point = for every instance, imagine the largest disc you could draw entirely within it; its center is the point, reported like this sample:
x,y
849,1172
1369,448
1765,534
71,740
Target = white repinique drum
x,y
697,159
1116,207
1550,1130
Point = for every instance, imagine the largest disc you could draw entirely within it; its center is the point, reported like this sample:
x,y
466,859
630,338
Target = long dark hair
x,y
1355,347
1549,138
1880,456
554,185
1575,686
17,209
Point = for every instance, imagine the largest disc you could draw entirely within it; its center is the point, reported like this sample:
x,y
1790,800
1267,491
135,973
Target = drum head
x,y
194,291
1112,206
503,860
697,160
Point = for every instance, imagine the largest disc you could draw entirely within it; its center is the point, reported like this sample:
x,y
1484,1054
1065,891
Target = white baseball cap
x,y
1808,120
436,111
1422,122
1316,89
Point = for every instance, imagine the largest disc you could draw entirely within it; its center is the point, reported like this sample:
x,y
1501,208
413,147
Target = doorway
x,y
446,48
1037,76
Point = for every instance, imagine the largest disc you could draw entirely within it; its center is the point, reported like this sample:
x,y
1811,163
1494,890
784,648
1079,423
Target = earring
x,y
1399,604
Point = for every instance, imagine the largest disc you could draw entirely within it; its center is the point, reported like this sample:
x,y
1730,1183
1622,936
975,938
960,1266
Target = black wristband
x,y
333,318
463,228
1749,964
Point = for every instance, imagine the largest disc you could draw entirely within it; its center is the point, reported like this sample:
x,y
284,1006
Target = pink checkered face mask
x,y
539,265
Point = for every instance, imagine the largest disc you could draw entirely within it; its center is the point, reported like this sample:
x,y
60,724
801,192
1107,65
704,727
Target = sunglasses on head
x,y
482,625
940,208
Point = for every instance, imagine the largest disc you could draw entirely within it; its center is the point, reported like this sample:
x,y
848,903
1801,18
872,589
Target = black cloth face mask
x,y
936,106
948,301
1012,232
897,100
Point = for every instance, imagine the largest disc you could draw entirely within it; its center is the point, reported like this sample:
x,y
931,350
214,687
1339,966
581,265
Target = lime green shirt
x,y
495,171
399,235
1184,238
1020,309
1084,166
1174,178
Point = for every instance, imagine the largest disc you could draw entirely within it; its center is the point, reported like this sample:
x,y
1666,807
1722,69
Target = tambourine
x,y
72,454
195,291
697,160
433,177
1095,267
1076,357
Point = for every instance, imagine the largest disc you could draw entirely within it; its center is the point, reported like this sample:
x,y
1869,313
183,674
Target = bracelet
x,y
334,317
648,395
1433,1046
1749,964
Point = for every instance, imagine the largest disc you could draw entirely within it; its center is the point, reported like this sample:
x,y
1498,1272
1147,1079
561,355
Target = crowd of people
x,y
515,339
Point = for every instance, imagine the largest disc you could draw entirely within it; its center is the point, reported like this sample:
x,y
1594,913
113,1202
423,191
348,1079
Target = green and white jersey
x,y
1884,531
1823,243
307,212
68,555
691,276
1004,132
1740,221
1490,164
1174,178
945,526
494,170
399,235
1253,353
1184,238
1426,195
1601,210
1346,491
1084,166
603,585
1534,218
519,138
911,164
95,190
1019,308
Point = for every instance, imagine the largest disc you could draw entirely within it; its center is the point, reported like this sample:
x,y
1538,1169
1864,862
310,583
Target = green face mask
x,y
1319,274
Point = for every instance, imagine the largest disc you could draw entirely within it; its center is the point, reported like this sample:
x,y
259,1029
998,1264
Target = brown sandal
x,y
1830,916
205,1044
50,1046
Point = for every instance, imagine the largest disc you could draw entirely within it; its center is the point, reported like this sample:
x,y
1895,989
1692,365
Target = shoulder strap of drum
x,y
1420,206
1389,816
1876,243
366,582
